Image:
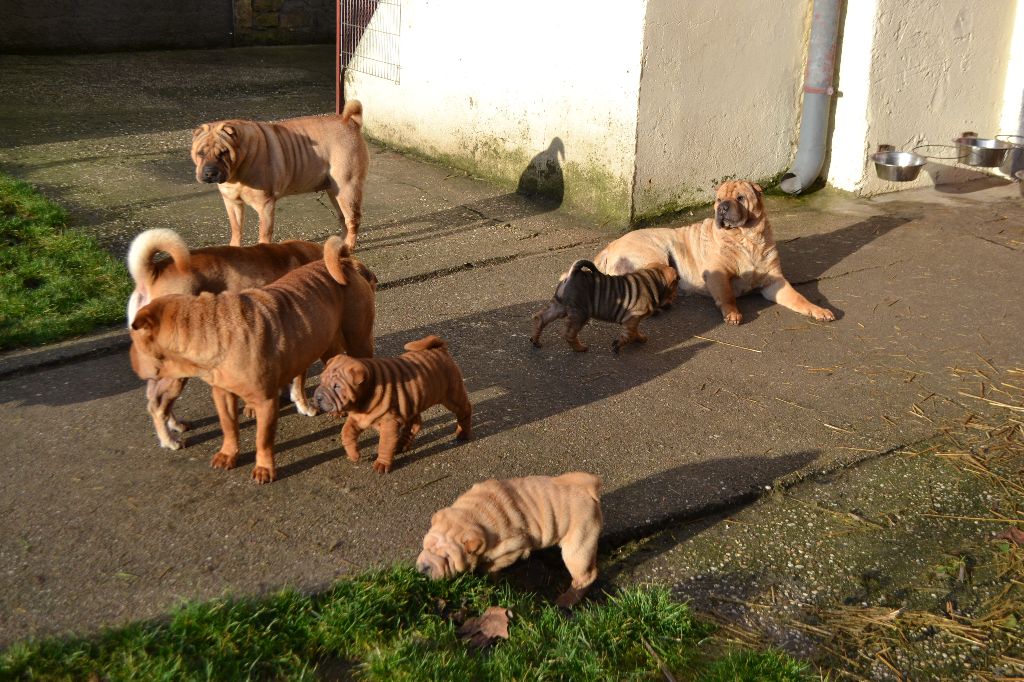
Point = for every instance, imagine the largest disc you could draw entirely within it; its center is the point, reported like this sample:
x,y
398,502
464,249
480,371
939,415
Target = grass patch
x,y
54,282
397,625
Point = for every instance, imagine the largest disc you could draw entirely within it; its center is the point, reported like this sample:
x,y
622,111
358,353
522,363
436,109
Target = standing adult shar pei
x,y
257,163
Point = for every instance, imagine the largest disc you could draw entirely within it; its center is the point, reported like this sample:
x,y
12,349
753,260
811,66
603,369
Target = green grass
x,y
54,282
397,625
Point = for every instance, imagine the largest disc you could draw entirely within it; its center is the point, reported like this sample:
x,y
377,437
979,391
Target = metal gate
x,y
367,41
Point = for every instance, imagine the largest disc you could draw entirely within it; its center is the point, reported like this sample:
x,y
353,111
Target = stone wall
x,y
279,22
29,26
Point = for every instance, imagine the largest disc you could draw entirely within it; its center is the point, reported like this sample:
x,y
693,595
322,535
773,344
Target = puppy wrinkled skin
x,y
390,393
213,269
250,344
629,299
497,523
256,163
723,257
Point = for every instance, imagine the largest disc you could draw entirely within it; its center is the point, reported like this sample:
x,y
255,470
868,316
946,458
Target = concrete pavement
x,y
98,525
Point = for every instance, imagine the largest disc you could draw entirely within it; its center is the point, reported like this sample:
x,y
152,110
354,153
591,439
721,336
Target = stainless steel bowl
x,y
898,166
981,152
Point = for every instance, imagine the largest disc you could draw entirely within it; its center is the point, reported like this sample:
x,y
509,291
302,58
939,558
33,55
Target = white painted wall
x,y
918,72
485,86
719,96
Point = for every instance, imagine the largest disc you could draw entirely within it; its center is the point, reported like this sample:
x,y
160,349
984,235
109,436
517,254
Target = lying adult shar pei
x,y
249,345
256,163
723,257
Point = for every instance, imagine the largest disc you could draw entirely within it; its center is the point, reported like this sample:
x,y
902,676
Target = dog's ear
x,y
229,131
670,275
145,321
355,374
472,541
757,189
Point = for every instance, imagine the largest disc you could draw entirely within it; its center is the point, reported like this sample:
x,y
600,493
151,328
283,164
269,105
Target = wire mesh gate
x,y
367,40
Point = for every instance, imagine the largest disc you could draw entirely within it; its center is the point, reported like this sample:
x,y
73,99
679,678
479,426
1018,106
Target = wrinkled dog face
x,y
445,557
213,152
339,385
738,204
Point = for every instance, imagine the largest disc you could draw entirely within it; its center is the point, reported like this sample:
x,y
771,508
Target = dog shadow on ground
x,y
634,514
541,189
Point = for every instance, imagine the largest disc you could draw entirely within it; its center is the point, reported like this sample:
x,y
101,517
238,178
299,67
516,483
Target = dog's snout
x,y
423,568
210,173
723,206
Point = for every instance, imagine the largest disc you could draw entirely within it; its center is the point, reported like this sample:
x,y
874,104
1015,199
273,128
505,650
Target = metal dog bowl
x,y
897,166
981,152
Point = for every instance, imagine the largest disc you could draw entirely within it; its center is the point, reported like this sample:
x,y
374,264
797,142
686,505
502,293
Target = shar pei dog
x,y
390,394
723,257
496,523
213,269
251,344
255,163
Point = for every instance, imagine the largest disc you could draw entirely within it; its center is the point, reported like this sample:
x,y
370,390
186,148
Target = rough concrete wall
x,y
279,22
98,25
495,87
719,96
932,71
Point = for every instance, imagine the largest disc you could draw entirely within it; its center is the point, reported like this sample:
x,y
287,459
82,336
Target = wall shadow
x,y
960,179
541,189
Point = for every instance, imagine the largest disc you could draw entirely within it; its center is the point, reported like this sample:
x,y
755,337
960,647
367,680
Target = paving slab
x,y
99,526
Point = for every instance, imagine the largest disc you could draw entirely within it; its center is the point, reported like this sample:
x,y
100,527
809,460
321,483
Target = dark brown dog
x,y
253,343
213,269
724,257
629,299
390,393
256,163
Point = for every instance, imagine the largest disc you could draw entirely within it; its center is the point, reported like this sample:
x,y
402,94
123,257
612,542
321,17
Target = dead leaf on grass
x,y
485,630
1014,535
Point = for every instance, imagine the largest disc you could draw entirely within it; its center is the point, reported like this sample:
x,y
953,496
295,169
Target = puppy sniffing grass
x,y
497,523
585,292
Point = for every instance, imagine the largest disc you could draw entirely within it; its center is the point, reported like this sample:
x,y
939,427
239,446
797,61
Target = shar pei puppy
x,y
251,344
213,269
256,163
723,257
497,523
390,394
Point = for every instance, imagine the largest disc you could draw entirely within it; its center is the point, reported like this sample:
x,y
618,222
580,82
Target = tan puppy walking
x,y
497,523
389,394
723,257
250,344
213,269
256,163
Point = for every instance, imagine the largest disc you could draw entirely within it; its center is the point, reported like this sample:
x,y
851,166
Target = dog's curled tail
x,y
427,343
353,111
147,245
589,482
336,255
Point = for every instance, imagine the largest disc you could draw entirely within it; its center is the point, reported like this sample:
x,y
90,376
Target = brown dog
x,y
256,163
496,523
628,299
250,344
390,393
214,269
722,257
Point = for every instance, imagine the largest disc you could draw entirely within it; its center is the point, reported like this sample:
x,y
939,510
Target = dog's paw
x,y
535,340
733,318
307,410
172,442
249,411
822,315
381,468
263,474
463,434
222,460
